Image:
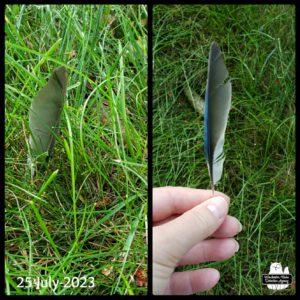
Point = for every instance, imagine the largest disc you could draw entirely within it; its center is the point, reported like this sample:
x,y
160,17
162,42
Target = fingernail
x,y
226,198
218,206
241,226
237,247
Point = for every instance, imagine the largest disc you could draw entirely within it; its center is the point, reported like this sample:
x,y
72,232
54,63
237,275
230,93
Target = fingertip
x,y
213,278
217,193
218,206
227,198
191,282
215,273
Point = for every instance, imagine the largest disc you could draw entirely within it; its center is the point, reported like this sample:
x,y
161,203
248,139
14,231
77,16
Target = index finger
x,y
168,201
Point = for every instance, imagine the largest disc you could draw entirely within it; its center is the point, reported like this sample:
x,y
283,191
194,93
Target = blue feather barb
x,y
217,106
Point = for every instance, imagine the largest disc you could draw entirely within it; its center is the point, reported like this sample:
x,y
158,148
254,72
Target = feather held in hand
x,y
45,112
217,106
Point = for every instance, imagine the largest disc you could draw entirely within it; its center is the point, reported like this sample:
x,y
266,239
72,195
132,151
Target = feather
x,y
217,106
45,112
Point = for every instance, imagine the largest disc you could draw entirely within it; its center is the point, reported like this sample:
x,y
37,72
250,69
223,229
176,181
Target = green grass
x,y
86,214
258,42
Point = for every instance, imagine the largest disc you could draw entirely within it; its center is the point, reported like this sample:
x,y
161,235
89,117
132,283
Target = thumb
x,y
181,234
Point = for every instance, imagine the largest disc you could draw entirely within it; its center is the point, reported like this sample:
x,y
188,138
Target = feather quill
x,y
217,106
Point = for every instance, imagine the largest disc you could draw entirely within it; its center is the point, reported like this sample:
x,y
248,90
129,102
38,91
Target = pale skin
x,y
190,227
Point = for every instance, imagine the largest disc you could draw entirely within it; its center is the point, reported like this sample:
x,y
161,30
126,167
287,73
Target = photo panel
x,y
76,111
223,125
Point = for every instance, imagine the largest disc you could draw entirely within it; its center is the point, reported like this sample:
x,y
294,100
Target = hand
x,y
183,220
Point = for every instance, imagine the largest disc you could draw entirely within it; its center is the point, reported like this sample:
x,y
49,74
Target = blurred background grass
x,y
258,42
95,209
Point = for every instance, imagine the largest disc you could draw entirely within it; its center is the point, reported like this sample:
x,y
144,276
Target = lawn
x,y
83,221
258,42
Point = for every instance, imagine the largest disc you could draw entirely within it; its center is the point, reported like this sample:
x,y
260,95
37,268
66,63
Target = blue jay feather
x,y
45,112
217,106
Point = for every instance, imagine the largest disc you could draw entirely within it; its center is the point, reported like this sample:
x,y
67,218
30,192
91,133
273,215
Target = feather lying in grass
x,y
217,106
44,117
195,100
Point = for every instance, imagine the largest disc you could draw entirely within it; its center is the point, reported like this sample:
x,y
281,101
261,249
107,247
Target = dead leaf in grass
x,y
107,271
